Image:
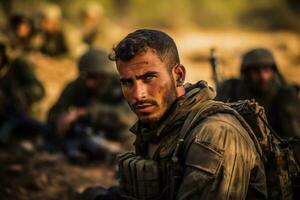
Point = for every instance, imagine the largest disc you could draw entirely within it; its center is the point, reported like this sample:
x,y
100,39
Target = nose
x,y
265,75
139,91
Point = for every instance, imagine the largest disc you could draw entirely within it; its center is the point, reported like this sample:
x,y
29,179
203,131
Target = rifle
x,y
214,62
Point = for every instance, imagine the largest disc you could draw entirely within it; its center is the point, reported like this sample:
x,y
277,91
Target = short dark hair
x,y
140,40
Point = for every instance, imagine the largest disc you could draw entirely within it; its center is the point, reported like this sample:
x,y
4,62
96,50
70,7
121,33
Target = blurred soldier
x,y
58,37
97,29
91,29
91,109
22,37
261,80
54,41
20,90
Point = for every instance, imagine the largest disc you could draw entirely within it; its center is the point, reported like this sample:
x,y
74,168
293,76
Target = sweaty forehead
x,y
127,70
148,60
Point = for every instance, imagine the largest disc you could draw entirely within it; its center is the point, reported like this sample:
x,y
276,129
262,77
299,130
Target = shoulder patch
x,y
205,157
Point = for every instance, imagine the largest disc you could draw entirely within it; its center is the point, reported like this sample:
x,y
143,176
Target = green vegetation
x,y
256,14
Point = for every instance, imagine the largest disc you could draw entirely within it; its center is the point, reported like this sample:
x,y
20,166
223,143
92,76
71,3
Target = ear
x,y
179,74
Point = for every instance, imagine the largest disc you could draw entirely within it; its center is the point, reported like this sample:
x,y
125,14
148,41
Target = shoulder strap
x,y
193,117
210,108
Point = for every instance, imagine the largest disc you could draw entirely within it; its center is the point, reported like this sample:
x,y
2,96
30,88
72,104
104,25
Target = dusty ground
x,y
40,175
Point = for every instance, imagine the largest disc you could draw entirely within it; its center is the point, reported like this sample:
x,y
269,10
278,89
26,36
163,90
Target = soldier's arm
x,y
219,162
284,114
34,92
65,100
227,90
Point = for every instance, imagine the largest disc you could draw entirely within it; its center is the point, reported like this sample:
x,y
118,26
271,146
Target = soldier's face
x,y
97,82
23,30
49,25
148,85
262,77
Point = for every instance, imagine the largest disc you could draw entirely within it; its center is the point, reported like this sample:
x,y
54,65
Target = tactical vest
x,y
160,178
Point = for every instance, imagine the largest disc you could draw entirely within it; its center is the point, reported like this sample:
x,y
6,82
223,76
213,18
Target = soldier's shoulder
x,y
216,125
229,89
73,87
231,82
289,89
286,95
75,84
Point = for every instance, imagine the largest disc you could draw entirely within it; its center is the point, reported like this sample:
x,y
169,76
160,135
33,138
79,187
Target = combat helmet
x,y
257,57
95,60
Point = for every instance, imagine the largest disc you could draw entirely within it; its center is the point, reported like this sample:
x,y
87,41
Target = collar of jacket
x,y
195,95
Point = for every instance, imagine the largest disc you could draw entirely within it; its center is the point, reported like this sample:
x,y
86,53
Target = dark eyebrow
x,y
150,73
124,79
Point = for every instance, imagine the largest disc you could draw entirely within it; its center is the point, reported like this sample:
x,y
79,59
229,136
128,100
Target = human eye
x,y
126,82
148,77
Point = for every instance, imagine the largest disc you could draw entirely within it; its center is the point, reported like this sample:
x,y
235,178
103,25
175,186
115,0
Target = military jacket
x,y
219,160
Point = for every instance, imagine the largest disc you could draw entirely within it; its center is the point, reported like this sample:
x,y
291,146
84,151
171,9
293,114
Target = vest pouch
x,y
296,187
139,176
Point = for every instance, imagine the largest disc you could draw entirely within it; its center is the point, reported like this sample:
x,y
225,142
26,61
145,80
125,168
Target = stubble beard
x,y
168,99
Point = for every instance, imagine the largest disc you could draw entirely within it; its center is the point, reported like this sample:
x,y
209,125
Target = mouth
x,y
145,107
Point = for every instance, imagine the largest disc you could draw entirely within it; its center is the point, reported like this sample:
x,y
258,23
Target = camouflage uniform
x,y
107,113
218,160
281,103
19,92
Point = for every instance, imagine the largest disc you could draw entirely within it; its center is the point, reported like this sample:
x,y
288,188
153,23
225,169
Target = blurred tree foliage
x,y
258,14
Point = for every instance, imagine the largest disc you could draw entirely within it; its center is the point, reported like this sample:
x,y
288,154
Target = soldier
x,y
96,29
90,110
91,17
20,90
58,38
53,38
261,80
178,155
22,37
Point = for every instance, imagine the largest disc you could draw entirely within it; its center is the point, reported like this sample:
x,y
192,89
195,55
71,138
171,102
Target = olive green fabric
x,y
221,160
139,177
277,155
